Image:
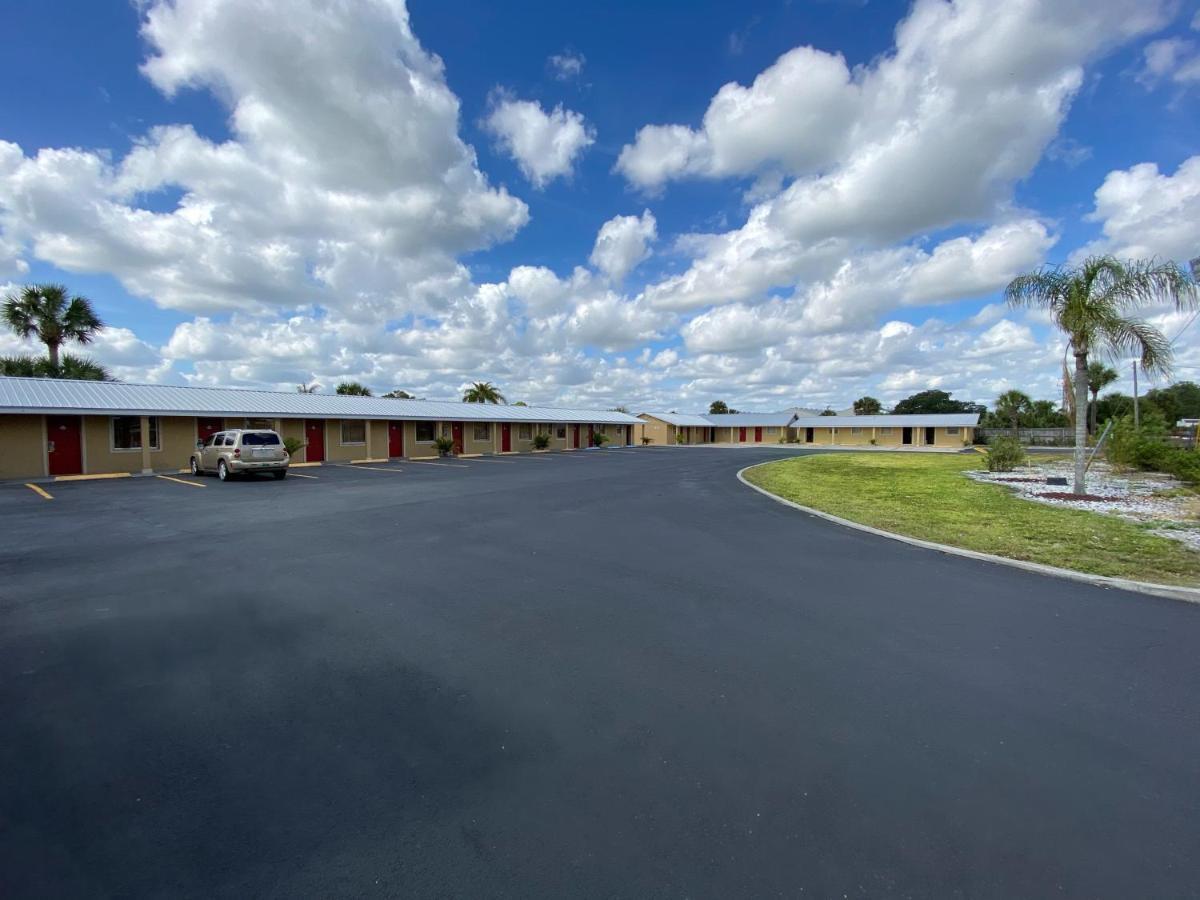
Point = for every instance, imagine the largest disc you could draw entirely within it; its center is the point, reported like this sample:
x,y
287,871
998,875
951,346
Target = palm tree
x,y
79,368
46,312
398,395
483,392
1094,304
1011,406
307,388
353,389
1099,377
867,406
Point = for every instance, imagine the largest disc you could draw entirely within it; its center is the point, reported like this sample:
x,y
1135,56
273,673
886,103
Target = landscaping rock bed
x,y
1144,497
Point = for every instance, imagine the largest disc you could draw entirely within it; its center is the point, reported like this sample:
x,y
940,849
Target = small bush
x,y
599,439
1146,449
293,445
1005,454
541,441
444,444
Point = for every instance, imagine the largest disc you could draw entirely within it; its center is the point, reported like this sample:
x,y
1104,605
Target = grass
x,y
928,497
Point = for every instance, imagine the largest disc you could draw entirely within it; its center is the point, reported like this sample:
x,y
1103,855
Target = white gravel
x,y
1136,495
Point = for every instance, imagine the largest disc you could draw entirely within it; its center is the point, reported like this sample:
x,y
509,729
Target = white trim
x,y
342,442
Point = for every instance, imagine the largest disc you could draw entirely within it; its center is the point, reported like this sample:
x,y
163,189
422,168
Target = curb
x,y
1187,595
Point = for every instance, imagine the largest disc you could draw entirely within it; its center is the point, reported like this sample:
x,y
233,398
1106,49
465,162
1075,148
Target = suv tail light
x,y
237,453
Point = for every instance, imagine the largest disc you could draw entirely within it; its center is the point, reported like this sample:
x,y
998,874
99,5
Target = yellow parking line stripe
x,y
41,493
181,481
103,477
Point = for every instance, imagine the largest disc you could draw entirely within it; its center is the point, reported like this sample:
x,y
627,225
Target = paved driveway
x,y
603,674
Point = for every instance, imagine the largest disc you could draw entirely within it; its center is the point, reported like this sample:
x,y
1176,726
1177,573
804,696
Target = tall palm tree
x,y
353,389
1094,304
46,312
483,392
1099,377
1012,406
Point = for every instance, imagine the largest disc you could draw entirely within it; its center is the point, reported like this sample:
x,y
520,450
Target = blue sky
x,y
806,201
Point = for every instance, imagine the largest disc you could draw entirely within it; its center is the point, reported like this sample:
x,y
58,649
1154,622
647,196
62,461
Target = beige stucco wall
x,y
22,447
335,450
657,430
177,440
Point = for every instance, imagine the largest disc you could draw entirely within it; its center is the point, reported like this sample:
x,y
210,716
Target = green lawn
x,y
926,496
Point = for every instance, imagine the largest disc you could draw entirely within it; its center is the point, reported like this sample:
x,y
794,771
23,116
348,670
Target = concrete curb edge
x,y
1187,595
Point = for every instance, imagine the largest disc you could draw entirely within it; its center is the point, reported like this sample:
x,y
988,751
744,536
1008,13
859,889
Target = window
x,y
260,423
771,429
127,433
354,431
524,432
228,440
483,431
951,431
260,440
856,431
561,432
425,432
211,439
885,432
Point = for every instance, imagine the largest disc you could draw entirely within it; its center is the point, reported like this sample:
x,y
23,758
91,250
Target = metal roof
x,y
917,420
682,419
737,420
53,395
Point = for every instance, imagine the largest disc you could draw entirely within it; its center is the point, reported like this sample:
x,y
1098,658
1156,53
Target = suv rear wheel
x,y
195,467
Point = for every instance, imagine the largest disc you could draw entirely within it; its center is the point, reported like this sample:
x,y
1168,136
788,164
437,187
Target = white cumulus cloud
x,y
544,144
622,243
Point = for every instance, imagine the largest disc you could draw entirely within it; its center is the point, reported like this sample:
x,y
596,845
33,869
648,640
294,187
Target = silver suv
x,y
240,451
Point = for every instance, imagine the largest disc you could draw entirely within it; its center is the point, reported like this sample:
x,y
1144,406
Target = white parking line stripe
x,y
181,481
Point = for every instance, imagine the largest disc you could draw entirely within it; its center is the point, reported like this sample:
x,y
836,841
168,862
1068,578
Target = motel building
x,y
937,431
63,428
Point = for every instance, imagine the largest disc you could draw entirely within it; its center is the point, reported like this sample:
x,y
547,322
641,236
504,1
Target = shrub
x,y
599,439
444,444
1005,454
292,445
1146,449
541,441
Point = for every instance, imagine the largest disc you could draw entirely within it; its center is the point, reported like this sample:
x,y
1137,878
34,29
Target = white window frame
x,y
487,432
432,432
155,432
524,431
342,432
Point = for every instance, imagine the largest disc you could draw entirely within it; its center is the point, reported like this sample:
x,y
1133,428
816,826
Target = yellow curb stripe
x,y
303,465
359,462
41,493
92,477
181,481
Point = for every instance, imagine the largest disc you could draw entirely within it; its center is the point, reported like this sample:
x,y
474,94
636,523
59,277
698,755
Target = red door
x,y
395,439
64,445
456,436
575,438
505,437
591,435
742,434
206,428
314,434
758,435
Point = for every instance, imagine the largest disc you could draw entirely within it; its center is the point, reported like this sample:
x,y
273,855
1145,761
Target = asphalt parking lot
x,y
615,673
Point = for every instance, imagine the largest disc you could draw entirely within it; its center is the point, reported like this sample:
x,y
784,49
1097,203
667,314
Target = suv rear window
x,y
260,440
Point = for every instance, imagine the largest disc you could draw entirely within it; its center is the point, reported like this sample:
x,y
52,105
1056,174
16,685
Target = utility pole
x,y
1137,419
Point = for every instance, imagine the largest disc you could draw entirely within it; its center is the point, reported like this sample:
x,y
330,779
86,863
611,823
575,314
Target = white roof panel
x,y
53,395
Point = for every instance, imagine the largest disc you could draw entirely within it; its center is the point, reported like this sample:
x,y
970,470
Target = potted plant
x,y
444,444
293,445
599,439
541,441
